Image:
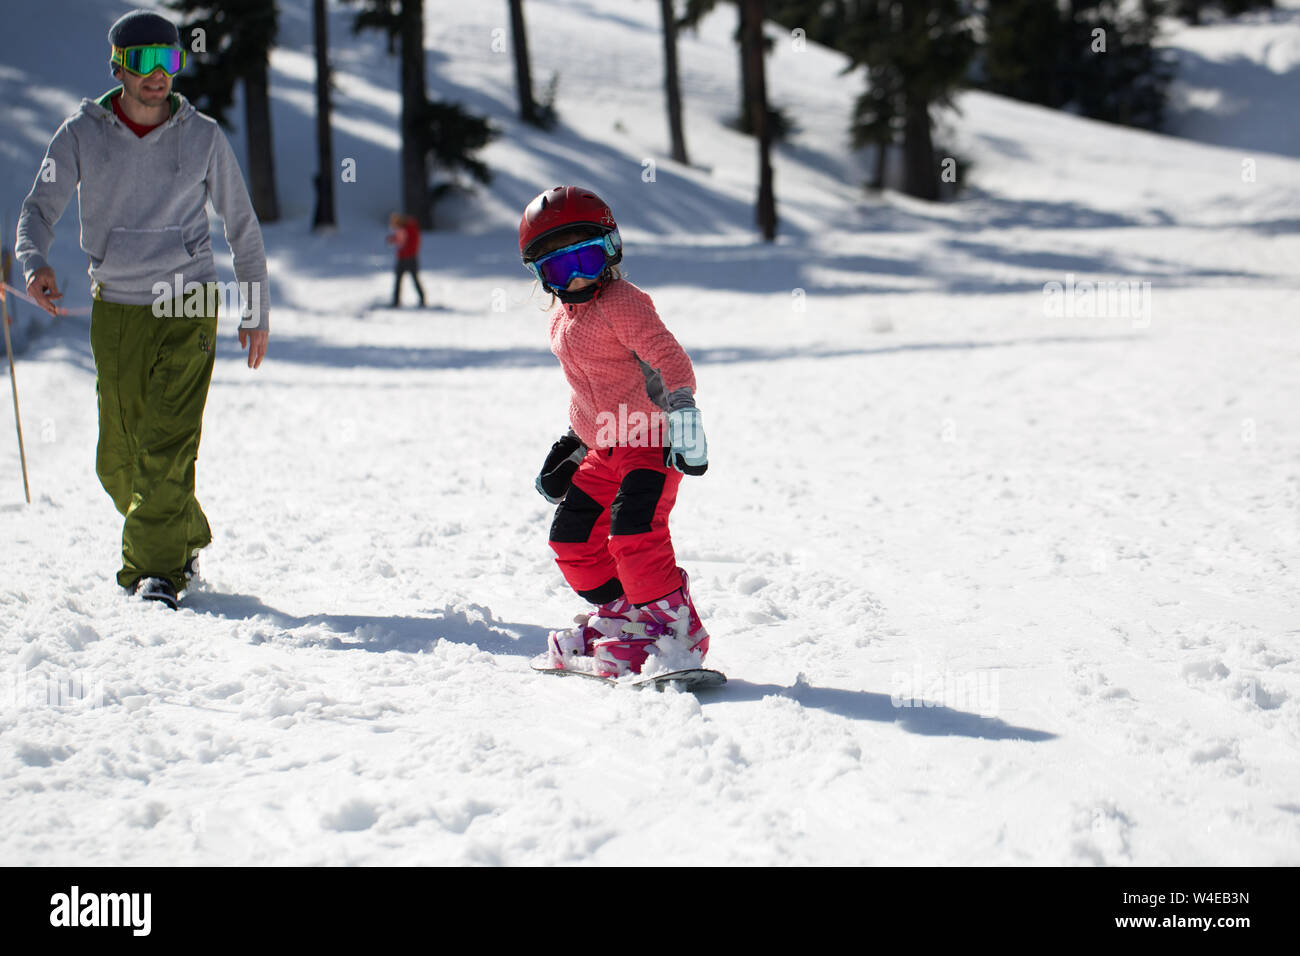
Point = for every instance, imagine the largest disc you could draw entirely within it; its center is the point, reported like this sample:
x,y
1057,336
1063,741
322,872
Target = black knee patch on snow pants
x,y
576,517
633,511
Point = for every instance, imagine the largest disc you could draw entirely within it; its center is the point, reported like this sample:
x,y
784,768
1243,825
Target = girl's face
x,y
577,283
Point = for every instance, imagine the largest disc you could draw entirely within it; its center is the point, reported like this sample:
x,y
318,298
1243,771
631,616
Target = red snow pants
x,y
610,533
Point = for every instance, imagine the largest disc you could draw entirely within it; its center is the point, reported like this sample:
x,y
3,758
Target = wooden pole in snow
x,y
9,350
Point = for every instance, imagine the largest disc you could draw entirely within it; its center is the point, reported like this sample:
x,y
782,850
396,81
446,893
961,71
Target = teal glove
x,y
688,451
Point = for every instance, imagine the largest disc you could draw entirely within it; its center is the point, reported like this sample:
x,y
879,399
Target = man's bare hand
x,y
44,288
255,342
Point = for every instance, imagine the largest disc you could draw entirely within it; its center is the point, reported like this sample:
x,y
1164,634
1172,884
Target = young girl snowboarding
x,y
634,431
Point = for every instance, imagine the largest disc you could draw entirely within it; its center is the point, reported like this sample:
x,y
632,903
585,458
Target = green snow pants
x,y
152,377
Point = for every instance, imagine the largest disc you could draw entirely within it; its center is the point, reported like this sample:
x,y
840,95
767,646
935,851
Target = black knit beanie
x,y
143,28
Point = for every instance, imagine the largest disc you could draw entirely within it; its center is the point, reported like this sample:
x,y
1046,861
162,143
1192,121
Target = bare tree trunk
x,y
920,175
745,40
672,87
882,154
324,145
261,158
523,73
753,27
415,165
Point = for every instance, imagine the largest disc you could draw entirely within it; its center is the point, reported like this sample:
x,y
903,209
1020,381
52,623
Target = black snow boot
x,y
158,589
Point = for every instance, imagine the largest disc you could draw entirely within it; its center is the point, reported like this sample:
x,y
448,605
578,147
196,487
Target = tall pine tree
x,y
1097,58
234,46
752,27
756,114
1024,49
523,71
403,22
916,54
778,124
324,180
437,131
1193,10
672,83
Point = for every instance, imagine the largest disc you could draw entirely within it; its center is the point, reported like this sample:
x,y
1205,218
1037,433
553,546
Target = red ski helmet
x,y
561,208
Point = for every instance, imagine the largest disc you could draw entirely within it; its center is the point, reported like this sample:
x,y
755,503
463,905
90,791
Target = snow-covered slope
x,y
1238,81
993,583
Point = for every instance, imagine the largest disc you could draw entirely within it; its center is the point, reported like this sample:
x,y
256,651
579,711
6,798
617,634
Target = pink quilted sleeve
x,y
637,325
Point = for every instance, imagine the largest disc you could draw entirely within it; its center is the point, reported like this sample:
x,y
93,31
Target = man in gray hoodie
x,y
144,164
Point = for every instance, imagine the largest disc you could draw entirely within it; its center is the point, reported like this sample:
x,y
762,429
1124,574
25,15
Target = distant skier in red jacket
x,y
634,431
404,233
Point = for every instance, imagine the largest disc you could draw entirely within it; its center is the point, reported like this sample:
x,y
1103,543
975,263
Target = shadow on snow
x,y
475,626
472,625
867,705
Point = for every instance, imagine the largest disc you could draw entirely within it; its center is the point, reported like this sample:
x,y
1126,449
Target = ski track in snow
x,y
990,587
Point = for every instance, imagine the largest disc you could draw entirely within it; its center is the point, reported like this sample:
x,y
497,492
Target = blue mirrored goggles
x,y
143,60
581,260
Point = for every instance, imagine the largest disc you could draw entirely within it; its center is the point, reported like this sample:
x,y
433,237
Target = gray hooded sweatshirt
x,y
143,203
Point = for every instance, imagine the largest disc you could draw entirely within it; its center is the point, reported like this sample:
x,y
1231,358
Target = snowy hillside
x,y
1238,81
1000,575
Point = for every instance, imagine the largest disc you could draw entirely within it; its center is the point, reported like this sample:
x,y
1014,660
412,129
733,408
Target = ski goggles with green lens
x,y
143,60
581,260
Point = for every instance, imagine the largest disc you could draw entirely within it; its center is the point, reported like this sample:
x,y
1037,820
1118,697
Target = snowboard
x,y
694,678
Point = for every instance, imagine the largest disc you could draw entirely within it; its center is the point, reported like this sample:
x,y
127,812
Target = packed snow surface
x,y
998,544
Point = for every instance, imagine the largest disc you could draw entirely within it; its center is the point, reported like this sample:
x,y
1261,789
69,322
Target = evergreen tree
x,y
403,21
415,98
324,179
778,124
454,136
752,30
1095,57
1115,72
382,15
234,45
442,132
1193,10
528,111
874,123
1024,47
756,114
916,54
672,84
827,22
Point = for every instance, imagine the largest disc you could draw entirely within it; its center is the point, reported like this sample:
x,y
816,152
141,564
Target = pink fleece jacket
x,y
623,365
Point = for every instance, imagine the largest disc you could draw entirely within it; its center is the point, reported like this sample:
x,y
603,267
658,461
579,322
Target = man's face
x,y
151,90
